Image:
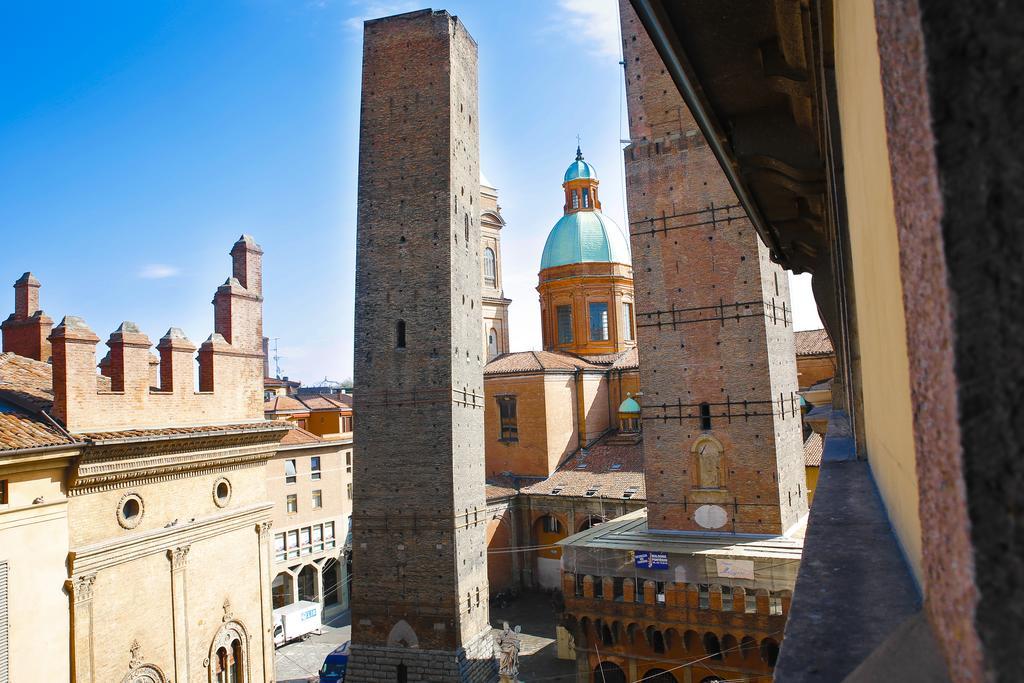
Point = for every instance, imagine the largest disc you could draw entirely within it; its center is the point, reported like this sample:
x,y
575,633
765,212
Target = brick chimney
x,y
25,331
238,303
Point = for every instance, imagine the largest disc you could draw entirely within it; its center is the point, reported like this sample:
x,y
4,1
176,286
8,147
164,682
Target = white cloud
x,y
158,271
594,23
375,9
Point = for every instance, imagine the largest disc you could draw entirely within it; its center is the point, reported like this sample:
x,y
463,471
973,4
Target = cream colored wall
x,y
332,484
34,544
563,434
596,405
878,292
94,515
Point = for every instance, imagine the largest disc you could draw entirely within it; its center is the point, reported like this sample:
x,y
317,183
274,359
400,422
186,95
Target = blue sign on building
x,y
648,560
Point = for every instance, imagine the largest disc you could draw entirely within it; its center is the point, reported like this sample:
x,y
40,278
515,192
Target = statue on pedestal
x,y
509,644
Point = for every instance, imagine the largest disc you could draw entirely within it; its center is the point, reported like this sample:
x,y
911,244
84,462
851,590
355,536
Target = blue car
x,y
333,670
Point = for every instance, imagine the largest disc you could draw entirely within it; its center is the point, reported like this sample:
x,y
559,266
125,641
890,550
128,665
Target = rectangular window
x,y
279,549
305,541
627,320
598,321
293,544
705,416
329,535
318,499
292,503
3,492
289,471
575,200
348,463
586,198
350,491
507,412
314,467
564,315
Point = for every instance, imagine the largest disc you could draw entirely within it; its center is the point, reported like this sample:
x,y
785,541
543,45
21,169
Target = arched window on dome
x,y
575,199
586,198
490,268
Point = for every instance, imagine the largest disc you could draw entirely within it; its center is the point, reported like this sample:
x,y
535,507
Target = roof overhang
x,y
754,74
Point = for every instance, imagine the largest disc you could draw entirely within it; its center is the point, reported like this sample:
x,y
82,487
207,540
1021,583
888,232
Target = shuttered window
x,y
4,659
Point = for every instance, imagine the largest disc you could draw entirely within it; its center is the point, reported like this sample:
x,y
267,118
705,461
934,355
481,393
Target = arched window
x,y
490,267
400,334
575,199
712,646
586,198
236,662
228,655
492,343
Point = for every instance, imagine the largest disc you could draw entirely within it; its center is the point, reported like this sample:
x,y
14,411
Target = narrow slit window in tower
x,y
705,416
400,334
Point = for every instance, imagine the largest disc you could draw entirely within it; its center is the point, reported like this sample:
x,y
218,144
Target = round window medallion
x,y
221,492
130,510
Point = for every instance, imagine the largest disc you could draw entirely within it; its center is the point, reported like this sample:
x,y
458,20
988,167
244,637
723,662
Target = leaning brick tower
x,y
722,435
420,596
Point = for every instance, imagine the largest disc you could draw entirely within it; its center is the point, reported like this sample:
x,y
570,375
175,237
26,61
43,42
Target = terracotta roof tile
x,y
812,450
323,402
812,343
610,469
19,429
298,436
266,425
284,404
536,361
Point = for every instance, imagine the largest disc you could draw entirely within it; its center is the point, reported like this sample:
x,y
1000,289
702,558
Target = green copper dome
x,y
629,406
579,169
585,237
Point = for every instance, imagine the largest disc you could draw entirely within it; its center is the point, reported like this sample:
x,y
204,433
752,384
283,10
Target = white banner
x,y
735,569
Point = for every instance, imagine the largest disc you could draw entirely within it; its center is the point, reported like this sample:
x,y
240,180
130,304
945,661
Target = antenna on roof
x,y
277,360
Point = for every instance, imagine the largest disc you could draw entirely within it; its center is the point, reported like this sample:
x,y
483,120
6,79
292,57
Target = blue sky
x,y
139,140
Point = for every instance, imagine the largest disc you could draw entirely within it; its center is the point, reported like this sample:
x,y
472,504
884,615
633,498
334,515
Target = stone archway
x,y
230,647
145,673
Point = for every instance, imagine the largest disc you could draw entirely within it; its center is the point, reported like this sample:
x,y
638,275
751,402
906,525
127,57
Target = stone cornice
x,y
97,556
109,466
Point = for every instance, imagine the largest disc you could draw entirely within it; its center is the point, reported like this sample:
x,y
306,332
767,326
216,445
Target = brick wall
x,y
230,365
714,322
419,518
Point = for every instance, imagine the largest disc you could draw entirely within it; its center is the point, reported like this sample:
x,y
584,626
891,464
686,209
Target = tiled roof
x,y
610,469
323,402
812,343
284,404
19,429
496,491
267,425
536,361
623,360
298,436
812,450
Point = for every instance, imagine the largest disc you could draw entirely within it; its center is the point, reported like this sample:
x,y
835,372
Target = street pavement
x,y
300,661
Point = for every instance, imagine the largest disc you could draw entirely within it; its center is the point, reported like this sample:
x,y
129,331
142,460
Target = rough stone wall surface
x,y
950,76
714,321
419,518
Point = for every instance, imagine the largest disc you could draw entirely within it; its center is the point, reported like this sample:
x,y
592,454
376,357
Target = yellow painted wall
x,y
881,324
34,544
812,482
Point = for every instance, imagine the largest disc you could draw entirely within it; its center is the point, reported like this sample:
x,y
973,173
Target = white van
x,y
296,620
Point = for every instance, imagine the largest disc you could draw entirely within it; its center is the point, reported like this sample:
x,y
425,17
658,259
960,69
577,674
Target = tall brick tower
x,y
722,435
420,596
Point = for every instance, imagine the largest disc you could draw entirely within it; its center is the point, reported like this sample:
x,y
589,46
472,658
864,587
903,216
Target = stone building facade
x,y
495,305
140,505
420,606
